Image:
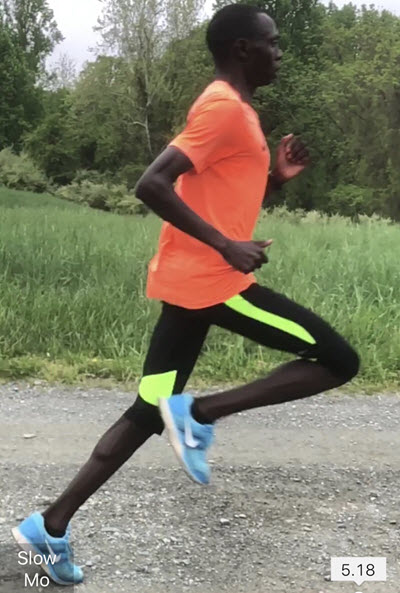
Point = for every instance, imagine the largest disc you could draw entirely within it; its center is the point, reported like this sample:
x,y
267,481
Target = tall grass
x,y
72,291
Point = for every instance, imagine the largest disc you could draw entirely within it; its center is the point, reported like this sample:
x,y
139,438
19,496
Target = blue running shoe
x,y
189,439
56,552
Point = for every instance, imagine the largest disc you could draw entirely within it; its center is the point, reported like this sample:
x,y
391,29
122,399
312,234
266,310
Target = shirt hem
x,y
167,298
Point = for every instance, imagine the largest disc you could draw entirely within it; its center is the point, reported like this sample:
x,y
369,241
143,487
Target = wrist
x,y
219,242
277,179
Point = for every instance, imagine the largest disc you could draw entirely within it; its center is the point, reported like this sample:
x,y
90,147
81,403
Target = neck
x,y
237,81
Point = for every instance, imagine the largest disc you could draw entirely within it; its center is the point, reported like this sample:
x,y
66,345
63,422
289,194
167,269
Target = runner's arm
x,y
156,189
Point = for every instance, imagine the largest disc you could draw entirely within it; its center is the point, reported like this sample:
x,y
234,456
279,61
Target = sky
x,y
76,19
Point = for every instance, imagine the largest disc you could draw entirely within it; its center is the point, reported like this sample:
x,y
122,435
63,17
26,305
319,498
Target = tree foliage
x,y
339,88
19,103
33,23
140,31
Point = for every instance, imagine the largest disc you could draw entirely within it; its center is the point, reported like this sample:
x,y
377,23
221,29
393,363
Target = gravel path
x,y
292,486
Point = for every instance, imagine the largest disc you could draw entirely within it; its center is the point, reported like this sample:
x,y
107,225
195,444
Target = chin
x,y
267,80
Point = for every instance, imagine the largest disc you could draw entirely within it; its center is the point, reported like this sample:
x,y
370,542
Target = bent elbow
x,y
142,188
152,190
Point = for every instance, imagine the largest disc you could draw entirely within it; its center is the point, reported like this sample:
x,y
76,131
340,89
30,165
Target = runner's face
x,y
264,54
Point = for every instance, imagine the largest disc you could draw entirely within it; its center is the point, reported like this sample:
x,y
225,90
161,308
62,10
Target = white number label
x,y
358,570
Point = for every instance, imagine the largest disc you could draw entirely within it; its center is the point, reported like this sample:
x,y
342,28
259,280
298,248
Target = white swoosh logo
x,y
53,558
191,442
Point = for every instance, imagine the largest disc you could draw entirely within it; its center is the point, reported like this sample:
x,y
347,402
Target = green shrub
x,y
313,216
283,213
20,172
90,175
131,174
103,196
374,219
349,200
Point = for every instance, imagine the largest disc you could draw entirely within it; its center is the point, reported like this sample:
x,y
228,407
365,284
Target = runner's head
x,y
242,37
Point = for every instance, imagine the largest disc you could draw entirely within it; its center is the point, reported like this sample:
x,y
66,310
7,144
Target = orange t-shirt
x,y
224,141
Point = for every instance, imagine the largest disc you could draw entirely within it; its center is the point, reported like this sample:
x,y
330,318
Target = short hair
x,y
235,21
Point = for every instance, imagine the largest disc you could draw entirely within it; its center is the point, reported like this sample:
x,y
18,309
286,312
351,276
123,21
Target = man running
x,y
203,274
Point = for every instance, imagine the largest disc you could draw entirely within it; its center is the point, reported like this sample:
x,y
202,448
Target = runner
x,y
203,274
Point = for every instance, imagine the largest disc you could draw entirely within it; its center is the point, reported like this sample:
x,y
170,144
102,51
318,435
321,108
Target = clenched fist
x,y
245,256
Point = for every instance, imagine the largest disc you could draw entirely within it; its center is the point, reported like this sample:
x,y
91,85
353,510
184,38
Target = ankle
x,y
54,530
198,414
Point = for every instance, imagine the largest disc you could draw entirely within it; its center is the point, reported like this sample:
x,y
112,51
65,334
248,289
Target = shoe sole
x,y
173,436
25,545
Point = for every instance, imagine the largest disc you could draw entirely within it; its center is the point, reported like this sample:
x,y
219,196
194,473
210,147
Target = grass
x,y
73,304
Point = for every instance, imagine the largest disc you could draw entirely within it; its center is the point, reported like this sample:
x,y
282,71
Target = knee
x,y
342,360
145,416
351,364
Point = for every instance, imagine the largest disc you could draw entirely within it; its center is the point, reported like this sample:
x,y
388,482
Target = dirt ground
x,y
293,485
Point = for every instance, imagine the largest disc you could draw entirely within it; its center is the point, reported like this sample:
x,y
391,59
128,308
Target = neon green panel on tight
x,y
239,304
152,387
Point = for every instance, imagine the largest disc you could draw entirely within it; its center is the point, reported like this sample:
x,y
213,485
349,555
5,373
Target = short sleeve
x,y
212,132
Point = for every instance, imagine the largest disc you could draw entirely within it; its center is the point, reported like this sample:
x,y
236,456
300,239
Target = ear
x,y
241,49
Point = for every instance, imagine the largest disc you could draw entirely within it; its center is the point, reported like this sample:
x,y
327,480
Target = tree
x,y
362,95
338,88
53,144
63,75
139,31
36,30
102,104
188,68
18,97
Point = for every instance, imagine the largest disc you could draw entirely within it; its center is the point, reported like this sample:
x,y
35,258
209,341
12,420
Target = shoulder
x,y
217,98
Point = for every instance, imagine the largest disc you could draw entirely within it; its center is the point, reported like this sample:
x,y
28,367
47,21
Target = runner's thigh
x,y
271,319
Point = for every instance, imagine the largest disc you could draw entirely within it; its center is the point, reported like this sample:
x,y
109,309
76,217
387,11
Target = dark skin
x,y
251,64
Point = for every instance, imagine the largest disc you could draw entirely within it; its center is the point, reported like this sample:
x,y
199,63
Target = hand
x,y
292,158
246,256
